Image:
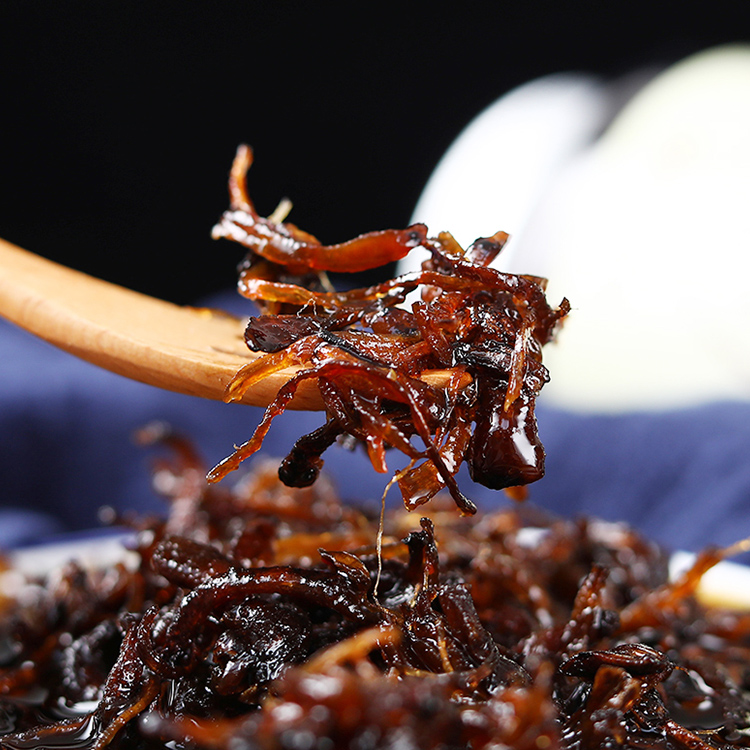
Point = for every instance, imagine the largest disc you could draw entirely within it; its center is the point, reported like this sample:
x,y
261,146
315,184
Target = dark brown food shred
x,y
260,616
367,350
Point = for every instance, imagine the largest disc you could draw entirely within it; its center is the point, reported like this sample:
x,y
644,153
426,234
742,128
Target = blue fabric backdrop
x,y
683,477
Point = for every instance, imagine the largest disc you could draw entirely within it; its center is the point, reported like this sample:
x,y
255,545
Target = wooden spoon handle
x,y
189,350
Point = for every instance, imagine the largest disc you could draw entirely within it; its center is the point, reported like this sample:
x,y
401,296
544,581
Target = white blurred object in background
x,y
644,230
501,163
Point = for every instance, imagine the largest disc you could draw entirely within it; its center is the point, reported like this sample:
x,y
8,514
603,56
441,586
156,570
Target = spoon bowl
x,y
191,350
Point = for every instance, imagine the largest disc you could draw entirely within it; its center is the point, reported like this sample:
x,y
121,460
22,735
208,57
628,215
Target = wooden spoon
x,y
190,350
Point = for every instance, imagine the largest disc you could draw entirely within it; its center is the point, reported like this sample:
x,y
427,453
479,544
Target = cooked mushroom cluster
x,y
260,616
369,351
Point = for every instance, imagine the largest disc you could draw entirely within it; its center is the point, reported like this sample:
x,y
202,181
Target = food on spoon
x,y
367,351
259,616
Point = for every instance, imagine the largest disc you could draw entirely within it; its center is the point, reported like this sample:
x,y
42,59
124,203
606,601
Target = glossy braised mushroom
x,y
368,349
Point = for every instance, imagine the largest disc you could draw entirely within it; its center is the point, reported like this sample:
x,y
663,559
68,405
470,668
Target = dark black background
x,y
119,119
